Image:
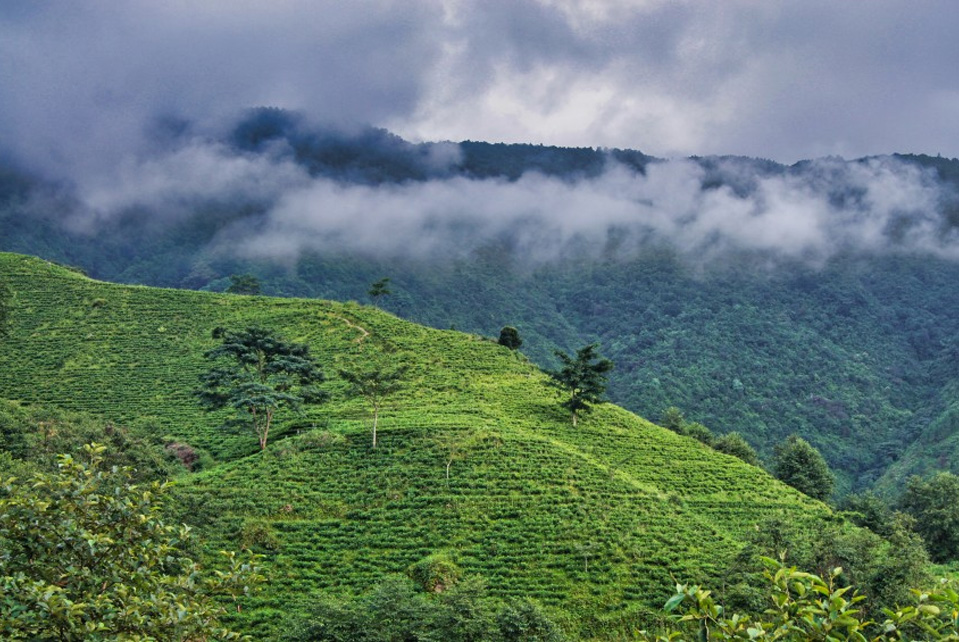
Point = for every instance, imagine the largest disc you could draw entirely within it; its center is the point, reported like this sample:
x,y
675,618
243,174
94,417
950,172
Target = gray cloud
x,y
83,82
876,206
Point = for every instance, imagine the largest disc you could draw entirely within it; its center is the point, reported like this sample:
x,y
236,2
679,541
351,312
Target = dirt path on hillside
x,y
363,331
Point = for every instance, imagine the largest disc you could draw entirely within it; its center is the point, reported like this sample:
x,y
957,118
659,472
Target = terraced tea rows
x,y
475,456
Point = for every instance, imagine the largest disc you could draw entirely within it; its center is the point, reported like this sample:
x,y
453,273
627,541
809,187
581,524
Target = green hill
x,y
475,457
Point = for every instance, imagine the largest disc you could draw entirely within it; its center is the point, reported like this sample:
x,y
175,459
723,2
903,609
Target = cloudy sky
x,y
85,85
82,81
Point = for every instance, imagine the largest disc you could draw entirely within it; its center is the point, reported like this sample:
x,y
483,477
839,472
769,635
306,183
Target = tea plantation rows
x,y
475,458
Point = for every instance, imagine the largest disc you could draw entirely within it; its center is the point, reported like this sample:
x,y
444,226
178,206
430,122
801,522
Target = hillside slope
x,y
476,457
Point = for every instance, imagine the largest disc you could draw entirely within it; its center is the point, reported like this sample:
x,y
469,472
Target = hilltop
x,y
476,457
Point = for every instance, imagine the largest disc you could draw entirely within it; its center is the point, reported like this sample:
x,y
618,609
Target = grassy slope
x,y
595,519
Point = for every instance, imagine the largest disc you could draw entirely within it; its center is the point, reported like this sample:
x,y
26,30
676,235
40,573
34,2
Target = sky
x,y
86,86
82,82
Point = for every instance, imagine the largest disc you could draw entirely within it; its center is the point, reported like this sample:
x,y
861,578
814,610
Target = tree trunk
x,y
266,430
376,414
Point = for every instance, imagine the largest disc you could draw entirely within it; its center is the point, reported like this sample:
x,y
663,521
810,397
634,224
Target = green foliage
x,y
395,611
5,306
673,419
732,443
85,556
698,432
523,620
805,606
244,284
257,533
379,289
869,510
800,465
883,568
435,573
509,337
375,386
262,373
593,519
37,434
934,503
582,379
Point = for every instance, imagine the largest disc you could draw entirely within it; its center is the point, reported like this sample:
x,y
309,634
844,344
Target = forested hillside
x,y
848,339
476,458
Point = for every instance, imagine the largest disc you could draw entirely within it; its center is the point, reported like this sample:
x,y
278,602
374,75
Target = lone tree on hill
x,y
260,374
582,378
800,465
85,556
379,289
509,337
375,386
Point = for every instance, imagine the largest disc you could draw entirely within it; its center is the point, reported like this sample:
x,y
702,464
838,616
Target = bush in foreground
x,y
85,556
805,606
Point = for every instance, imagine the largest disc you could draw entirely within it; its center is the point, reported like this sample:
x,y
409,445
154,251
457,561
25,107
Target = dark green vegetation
x,y
257,373
581,379
244,284
803,606
397,609
476,461
509,337
856,354
801,466
85,556
934,503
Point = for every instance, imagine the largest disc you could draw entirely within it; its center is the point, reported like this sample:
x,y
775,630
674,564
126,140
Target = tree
x,y
243,284
800,465
522,620
582,378
375,386
733,444
84,555
673,419
379,289
869,510
509,337
260,375
935,505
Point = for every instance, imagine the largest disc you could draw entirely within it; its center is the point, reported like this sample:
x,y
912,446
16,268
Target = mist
x,y
894,208
704,209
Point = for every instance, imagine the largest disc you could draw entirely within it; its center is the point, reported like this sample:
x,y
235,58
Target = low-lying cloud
x,y
808,213
873,206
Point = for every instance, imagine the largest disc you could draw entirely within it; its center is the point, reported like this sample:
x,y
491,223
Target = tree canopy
x,y
800,465
582,378
260,373
934,502
379,289
509,337
244,284
85,556
375,386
